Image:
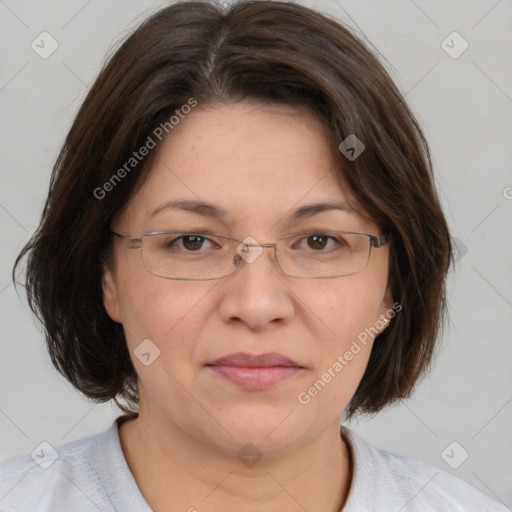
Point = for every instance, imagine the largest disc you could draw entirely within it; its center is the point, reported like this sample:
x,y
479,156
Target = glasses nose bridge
x,y
261,245
257,244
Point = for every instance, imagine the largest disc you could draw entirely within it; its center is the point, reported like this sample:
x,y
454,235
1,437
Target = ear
x,y
110,294
388,310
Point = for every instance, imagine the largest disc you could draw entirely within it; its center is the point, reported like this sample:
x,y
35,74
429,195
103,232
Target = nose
x,y
256,293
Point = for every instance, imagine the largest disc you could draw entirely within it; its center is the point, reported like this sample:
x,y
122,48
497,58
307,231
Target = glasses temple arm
x,y
130,243
380,240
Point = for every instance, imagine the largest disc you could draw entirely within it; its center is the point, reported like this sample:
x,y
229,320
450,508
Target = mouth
x,y
244,360
255,372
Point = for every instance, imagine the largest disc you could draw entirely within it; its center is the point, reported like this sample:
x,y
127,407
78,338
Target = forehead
x,y
242,163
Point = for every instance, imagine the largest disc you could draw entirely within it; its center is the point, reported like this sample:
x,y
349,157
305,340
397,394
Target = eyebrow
x,y
206,209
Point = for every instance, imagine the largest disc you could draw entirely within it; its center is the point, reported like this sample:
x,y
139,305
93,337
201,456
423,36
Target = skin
x,y
259,163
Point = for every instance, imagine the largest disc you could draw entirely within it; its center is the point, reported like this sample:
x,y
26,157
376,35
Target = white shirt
x,y
91,475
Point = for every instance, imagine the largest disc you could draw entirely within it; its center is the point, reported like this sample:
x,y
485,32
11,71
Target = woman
x,y
208,138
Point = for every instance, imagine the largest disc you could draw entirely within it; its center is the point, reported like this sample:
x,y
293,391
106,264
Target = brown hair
x,y
256,50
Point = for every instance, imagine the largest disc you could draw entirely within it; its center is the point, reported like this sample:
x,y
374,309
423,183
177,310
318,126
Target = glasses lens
x,y
318,255
187,255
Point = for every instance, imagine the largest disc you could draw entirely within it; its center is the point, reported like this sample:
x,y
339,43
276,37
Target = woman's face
x,y
259,165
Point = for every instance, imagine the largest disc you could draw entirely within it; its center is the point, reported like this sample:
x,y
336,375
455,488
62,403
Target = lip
x,y
245,360
255,372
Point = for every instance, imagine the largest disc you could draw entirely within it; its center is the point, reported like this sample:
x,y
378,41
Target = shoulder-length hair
x,y
269,52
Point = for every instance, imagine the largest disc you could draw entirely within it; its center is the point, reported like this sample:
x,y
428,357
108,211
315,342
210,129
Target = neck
x,y
177,472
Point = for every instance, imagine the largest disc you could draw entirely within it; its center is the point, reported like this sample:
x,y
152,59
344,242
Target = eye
x,y
319,241
190,242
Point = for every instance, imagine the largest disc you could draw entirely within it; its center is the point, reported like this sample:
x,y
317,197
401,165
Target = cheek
x,y
348,315
169,313
346,310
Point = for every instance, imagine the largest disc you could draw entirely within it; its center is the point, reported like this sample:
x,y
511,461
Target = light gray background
x,y
465,108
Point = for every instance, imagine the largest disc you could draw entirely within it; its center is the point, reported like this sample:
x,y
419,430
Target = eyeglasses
x,y
204,256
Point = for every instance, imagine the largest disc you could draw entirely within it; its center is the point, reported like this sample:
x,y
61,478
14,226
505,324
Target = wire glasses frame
x,y
375,241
